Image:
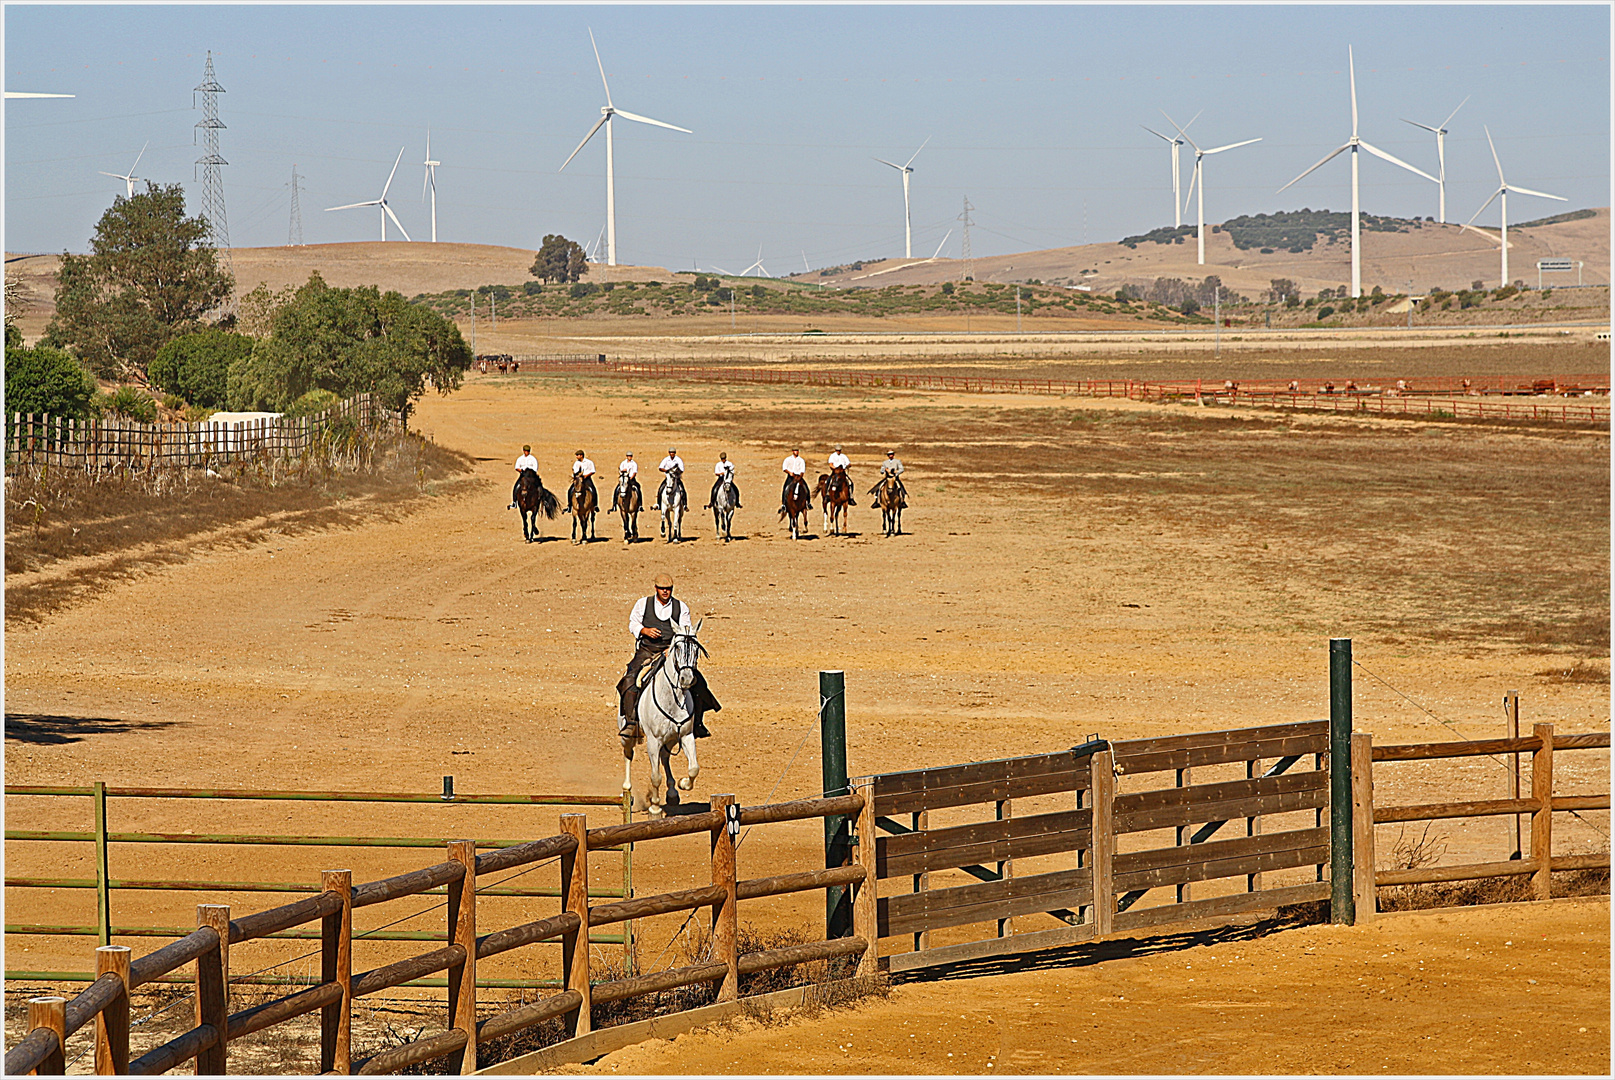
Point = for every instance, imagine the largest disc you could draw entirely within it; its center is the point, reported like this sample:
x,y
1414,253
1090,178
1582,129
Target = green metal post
x,y
630,954
103,896
837,829
1342,907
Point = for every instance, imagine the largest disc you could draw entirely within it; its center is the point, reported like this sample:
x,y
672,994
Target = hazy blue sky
x,y
1033,112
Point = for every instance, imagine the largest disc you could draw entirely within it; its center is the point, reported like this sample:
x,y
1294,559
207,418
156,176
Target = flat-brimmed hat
x,y
664,581
527,448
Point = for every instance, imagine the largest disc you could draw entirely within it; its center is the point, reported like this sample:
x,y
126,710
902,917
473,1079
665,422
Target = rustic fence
x,y
114,443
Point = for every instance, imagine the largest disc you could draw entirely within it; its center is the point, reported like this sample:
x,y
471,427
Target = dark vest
x,y
667,626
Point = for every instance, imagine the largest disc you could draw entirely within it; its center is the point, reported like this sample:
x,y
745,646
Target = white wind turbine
x,y
1353,144
908,231
1197,181
430,182
1503,188
1177,172
386,211
129,178
758,265
607,111
1441,153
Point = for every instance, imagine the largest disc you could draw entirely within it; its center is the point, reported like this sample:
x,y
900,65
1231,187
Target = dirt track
x,y
1132,590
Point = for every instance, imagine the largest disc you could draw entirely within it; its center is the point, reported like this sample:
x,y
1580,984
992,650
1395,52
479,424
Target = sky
x,y
1033,113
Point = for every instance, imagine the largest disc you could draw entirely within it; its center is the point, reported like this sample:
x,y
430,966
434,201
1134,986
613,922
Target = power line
x,y
294,236
212,181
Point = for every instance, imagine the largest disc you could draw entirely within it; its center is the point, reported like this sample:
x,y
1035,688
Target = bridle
x,y
678,668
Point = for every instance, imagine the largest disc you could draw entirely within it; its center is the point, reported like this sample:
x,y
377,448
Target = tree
x,y
197,366
1281,289
559,259
150,276
349,341
46,380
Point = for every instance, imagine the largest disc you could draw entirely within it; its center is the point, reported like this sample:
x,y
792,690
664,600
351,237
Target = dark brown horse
x,y
798,501
581,499
532,499
835,493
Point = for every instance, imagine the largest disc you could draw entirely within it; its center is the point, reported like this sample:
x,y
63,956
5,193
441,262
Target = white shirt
x,y
672,461
527,461
795,465
724,468
636,618
583,468
629,466
840,459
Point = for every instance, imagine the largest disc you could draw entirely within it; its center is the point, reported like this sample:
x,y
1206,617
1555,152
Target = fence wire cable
x,y
1505,765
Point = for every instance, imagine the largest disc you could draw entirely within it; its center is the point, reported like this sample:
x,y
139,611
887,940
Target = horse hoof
x,y
656,812
685,783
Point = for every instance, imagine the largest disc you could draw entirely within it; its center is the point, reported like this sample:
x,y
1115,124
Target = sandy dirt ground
x,y
1072,567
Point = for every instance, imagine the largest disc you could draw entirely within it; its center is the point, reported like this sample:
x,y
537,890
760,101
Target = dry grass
x,y
1416,851
1579,672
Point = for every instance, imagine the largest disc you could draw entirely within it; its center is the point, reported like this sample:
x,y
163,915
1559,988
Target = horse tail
x,y
548,503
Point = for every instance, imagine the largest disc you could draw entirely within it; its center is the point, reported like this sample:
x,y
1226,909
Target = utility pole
x,y
212,182
1410,305
294,235
473,323
1216,316
1017,309
493,311
970,265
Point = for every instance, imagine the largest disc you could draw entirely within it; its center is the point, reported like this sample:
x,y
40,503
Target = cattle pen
x,y
1104,838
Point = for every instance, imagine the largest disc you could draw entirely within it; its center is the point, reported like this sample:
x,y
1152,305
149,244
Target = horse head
x,y
684,654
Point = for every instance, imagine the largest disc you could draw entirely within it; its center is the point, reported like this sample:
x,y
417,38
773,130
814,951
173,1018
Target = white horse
x,y
666,714
672,501
723,507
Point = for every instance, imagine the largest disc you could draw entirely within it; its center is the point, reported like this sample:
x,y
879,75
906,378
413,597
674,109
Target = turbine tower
x,y
212,182
1196,179
1441,153
607,111
430,182
1354,144
129,178
1177,171
386,211
908,231
1503,188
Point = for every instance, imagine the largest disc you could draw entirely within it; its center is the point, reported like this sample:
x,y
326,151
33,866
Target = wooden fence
x,y
115,443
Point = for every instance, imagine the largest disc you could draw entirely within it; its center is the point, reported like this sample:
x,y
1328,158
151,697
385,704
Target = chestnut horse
x,y
798,501
834,492
889,497
582,501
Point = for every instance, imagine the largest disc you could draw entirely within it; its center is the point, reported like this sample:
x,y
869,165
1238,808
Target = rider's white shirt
x,y
724,468
794,465
672,462
583,468
839,459
636,618
629,466
527,461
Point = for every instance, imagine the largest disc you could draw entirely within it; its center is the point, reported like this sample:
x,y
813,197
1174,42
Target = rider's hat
x,y
527,448
889,453
838,448
580,453
664,581
628,453
672,449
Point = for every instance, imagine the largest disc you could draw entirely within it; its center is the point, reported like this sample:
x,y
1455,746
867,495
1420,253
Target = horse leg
x,y
655,753
667,768
687,782
627,763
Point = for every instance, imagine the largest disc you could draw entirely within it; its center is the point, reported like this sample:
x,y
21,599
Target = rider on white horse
x,y
724,468
838,460
670,462
526,461
653,621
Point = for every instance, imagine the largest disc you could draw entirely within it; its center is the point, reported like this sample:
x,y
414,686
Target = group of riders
x,y
794,468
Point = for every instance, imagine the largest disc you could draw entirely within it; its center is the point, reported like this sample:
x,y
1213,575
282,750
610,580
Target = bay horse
x,y
666,715
672,500
532,499
798,501
835,492
628,501
889,497
723,507
581,499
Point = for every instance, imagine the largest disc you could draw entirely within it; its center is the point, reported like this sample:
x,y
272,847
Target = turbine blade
x,y
1426,127
1499,164
1194,178
1352,63
937,253
138,156
1538,194
355,205
1454,112
916,153
1231,146
601,66
1315,167
1192,119
1182,133
394,216
1483,207
648,120
1377,152
390,176
1157,134
115,176
586,138
893,164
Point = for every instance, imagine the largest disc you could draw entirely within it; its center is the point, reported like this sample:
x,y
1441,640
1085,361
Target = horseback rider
x,y
526,461
653,622
583,477
630,468
840,461
795,469
669,463
724,468
893,468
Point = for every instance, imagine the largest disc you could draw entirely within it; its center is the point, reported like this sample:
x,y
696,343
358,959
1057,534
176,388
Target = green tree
x,y
150,275
197,366
46,380
560,260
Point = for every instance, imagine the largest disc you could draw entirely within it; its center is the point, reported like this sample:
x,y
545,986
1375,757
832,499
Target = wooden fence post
x,y
575,899
112,1022
725,913
1102,769
213,988
1542,817
865,912
463,976
1365,900
50,1012
336,965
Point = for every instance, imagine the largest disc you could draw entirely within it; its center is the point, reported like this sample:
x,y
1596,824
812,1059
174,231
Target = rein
x,y
673,687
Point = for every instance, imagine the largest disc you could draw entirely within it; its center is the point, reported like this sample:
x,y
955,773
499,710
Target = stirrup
x,y
630,730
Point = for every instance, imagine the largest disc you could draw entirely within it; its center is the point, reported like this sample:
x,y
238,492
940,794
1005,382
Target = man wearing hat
x,y
583,476
838,460
653,621
630,468
670,462
795,469
893,468
526,461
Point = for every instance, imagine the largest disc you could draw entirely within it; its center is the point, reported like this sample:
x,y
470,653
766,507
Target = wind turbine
x,y
1503,188
1195,180
386,211
607,111
430,182
1441,152
908,232
1353,144
758,265
129,178
1177,172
